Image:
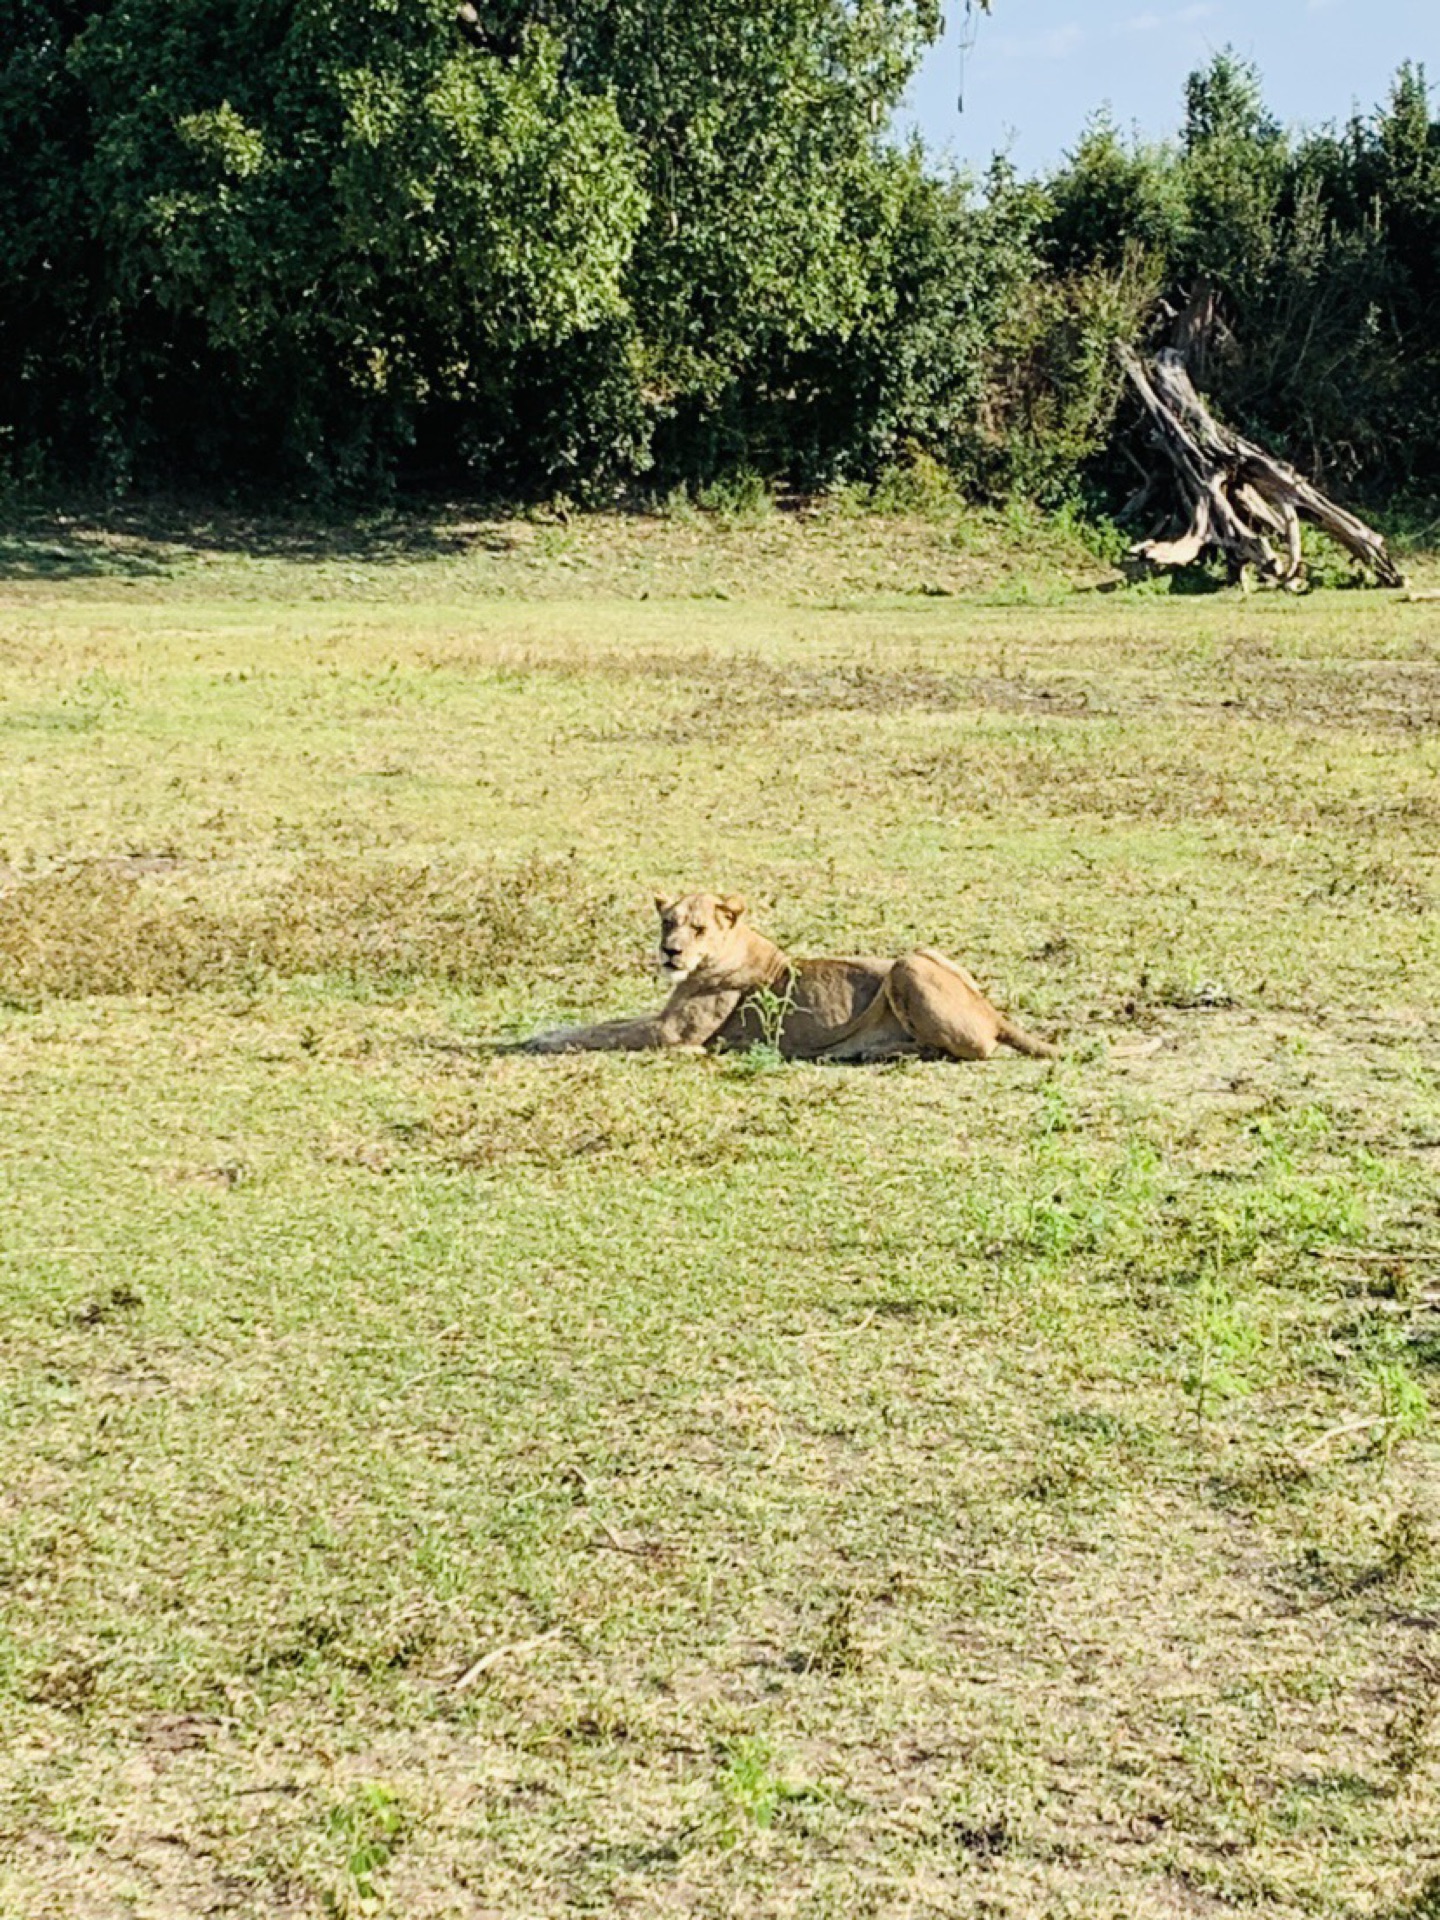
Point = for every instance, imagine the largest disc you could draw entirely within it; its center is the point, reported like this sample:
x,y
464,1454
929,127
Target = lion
x,y
733,988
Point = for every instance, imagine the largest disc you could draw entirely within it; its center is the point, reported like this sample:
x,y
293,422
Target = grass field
x,y
442,1482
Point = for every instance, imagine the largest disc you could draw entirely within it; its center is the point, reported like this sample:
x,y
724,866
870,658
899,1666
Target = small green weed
x,y
363,1833
742,498
1404,1403
752,1790
1224,1338
915,483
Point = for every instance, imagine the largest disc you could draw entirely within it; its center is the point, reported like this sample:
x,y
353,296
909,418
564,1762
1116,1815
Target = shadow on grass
x,y
154,541
43,556
1140,573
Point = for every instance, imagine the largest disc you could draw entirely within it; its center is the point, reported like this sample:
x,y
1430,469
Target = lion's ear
x,y
732,908
663,903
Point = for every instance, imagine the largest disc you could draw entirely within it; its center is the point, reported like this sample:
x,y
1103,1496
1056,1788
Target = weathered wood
x,y
1239,497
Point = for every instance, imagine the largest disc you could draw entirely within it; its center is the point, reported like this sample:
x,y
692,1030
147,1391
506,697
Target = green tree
x,y
339,214
1112,196
300,237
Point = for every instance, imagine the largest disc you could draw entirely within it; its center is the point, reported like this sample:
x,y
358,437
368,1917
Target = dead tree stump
x,y
1242,502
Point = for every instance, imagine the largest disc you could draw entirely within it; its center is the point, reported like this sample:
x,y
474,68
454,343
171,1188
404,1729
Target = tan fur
x,y
735,988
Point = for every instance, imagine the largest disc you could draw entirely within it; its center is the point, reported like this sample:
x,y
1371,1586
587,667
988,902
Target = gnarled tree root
x,y
1243,502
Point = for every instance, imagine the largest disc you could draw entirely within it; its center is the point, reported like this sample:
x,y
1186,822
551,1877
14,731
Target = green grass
x,y
1008,1490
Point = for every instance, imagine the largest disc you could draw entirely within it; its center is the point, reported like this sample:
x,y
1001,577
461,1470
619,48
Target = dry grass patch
x,y
1157,771
91,929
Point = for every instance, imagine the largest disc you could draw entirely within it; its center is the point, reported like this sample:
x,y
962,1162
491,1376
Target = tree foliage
x,y
305,226
528,246
1324,252
320,237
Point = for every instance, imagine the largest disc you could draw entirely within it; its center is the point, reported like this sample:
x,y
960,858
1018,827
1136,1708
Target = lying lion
x,y
735,988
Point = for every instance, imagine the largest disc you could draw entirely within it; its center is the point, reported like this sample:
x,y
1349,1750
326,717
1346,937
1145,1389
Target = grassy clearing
x,y
442,1482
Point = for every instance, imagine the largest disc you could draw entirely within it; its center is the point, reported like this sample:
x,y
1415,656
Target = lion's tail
x,y
1010,1035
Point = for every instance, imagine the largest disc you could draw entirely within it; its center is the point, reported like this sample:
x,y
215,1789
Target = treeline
x,y
1323,252
529,246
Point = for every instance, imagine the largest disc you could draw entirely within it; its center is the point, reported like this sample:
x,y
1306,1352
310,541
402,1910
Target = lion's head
x,y
695,932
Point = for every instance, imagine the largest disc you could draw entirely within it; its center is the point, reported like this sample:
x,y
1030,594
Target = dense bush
x,y
290,230
325,241
323,245
1324,253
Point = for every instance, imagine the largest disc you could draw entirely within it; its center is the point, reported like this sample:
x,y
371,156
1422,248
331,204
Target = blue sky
x,y
1038,68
